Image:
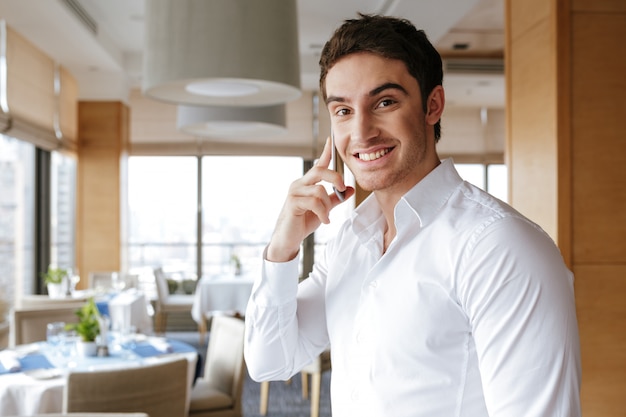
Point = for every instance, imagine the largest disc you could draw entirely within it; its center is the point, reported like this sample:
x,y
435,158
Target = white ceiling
x,y
107,63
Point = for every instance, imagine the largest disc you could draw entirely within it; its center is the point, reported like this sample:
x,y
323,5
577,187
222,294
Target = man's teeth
x,y
374,155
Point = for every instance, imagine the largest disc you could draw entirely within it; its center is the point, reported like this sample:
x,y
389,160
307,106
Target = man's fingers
x,y
324,159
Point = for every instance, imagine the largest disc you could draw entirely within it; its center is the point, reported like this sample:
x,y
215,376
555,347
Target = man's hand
x,y
308,205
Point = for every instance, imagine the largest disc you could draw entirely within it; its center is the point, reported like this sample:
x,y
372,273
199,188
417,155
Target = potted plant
x,y
57,281
235,263
87,328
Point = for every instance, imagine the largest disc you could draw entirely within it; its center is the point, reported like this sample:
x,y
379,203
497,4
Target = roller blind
x,y
38,99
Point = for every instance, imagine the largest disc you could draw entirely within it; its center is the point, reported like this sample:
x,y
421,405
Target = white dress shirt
x,y
469,313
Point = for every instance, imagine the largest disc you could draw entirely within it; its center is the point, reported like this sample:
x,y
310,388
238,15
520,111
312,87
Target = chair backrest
x,y
91,415
224,368
130,280
28,325
31,301
158,389
161,285
101,280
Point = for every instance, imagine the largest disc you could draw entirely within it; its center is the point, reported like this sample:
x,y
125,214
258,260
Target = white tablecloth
x,y
25,395
221,294
129,308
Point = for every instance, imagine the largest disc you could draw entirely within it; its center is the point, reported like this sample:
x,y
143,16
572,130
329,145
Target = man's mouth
x,y
374,155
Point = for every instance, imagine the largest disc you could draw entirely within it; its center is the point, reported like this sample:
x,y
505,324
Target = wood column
x,y
566,153
102,154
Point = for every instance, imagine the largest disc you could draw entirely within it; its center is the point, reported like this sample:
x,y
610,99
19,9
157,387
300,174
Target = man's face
x,y
380,128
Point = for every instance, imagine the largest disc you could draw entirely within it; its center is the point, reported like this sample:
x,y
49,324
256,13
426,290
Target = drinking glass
x,y
54,333
69,339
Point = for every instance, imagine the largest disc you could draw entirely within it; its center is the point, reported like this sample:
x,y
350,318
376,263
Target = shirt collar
x,y
425,199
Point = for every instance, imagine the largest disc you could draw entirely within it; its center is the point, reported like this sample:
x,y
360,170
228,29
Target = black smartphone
x,y
337,165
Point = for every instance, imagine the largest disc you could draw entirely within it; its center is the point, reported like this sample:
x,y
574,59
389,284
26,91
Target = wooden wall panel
x,y
591,171
527,14
103,139
532,139
600,292
599,148
606,6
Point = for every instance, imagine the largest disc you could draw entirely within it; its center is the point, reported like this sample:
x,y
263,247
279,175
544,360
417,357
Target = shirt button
x,y
374,284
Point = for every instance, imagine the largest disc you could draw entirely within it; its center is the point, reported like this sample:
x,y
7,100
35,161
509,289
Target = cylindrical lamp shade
x,y
221,52
245,124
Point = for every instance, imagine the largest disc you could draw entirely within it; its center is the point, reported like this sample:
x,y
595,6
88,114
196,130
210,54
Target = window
x,y
162,199
240,199
492,178
63,211
17,195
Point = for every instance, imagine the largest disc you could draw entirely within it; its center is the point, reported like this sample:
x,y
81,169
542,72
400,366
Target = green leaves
x,y
87,327
54,275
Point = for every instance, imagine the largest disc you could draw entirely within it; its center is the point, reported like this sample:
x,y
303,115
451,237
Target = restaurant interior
x,y
146,146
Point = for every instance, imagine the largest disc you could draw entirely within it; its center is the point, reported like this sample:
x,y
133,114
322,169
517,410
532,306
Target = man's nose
x,y
364,126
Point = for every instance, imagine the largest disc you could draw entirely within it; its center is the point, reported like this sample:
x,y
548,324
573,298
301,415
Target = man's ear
x,y
435,105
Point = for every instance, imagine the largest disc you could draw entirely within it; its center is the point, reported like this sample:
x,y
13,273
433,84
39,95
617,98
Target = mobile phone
x,y
337,165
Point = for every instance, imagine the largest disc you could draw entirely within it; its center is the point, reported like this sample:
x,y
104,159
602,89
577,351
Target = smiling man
x,y
435,298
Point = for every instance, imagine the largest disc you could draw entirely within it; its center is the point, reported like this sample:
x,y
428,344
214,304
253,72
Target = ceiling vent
x,y
82,15
474,66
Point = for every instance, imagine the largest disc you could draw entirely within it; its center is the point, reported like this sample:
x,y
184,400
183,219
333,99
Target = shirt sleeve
x,y
519,298
285,321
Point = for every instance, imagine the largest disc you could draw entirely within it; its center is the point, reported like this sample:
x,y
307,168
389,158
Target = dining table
x,y
221,294
33,376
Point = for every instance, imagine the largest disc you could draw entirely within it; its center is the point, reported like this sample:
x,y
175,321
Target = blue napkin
x,y
35,361
103,307
145,350
32,361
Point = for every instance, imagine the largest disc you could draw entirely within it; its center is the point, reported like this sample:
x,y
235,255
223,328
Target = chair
x,y
101,281
320,365
160,390
105,281
29,324
218,393
168,303
315,369
91,415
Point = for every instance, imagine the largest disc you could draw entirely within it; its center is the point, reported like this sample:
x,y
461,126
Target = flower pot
x,y
85,349
56,290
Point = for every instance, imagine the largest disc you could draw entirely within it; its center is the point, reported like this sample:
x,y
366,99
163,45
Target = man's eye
x,y
341,112
386,102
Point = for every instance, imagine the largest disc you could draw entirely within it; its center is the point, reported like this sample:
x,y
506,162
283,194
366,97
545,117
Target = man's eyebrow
x,y
387,86
372,93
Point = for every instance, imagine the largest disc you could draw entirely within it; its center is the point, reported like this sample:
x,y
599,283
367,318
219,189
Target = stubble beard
x,y
390,177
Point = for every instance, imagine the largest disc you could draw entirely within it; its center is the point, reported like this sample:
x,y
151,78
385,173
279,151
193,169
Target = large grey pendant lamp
x,y
221,52
244,124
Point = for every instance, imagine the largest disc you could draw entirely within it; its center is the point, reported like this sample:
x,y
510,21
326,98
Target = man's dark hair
x,y
392,38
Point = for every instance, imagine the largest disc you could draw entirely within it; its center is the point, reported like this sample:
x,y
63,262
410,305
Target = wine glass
x,y
74,279
118,282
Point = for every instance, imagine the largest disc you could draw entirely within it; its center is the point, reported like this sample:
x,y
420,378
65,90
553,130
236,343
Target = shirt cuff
x,y
279,282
